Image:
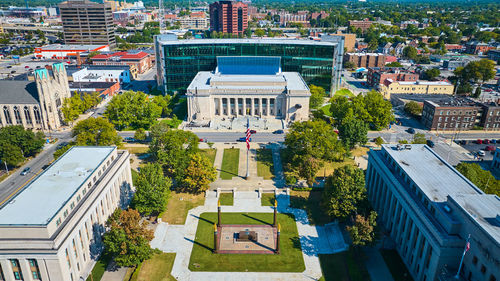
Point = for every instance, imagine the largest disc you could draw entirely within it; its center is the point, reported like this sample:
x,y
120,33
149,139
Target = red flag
x,y
467,247
248,135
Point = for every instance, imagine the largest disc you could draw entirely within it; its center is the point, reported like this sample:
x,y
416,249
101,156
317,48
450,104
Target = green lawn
x,y
157,268
209,153
99,268
344,92
267,199
265,164
289,260
310,201
230,163
226,199
396,265
344,266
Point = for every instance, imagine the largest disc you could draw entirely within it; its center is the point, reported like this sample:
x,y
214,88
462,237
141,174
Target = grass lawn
x,y
226,199
344,92
310,201
137,149
265,164
157,268
290,259
267,199
178,206
396,265
99,268
209,153
230,163
343,266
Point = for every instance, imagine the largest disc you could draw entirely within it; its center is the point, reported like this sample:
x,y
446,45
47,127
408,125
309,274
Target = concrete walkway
x,y
114,273
179,239
376,266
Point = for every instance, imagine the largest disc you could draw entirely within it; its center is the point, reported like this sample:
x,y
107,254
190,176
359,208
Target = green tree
x,y
419,138
353,131
132,109
379,141
140,134
10,154
481,178
95,131
71,108
410,52
27,141
378,109
317,96
414,108
259,32
394,64
164,103
477,92
362,232
172,149
152,190
344,190
349,65
432,73
128,239
199,174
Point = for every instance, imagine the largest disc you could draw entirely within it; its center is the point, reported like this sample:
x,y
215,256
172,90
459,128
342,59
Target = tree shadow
x,y
199,244
256,219
307,244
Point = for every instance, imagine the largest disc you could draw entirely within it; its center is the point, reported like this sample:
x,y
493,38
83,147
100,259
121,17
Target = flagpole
x,y
466,248
248,149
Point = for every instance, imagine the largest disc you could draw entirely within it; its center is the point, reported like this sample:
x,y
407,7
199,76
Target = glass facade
x,y
180,62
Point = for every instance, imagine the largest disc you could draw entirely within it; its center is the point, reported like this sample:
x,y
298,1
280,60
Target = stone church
x,y
35,104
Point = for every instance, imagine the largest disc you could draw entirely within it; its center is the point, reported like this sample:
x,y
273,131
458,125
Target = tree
x,y
133,109
410,52
432,73
477,92
485,69
10,154
28,142
379,141
199,174
172,149
363,231
128,239
152,190
259,32
317,96
481,178
419,138
95,131
349,65
164,103
414,108
394,64
353,131
140,134
378,109
344,189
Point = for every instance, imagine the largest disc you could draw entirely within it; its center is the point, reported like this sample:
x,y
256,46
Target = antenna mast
x,y
161,16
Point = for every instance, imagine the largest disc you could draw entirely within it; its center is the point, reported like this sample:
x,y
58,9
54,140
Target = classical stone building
x,y
52,229
248,86
35,105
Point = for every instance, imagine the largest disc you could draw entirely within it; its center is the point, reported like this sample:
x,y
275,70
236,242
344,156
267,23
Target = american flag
x,y
467,247
248,135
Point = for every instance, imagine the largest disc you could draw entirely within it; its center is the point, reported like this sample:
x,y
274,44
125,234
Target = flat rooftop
x,y
420,82
42,198
166,41
288,80
435,177
57,47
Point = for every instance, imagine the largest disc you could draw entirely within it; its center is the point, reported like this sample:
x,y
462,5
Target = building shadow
x,y
203,219
199,244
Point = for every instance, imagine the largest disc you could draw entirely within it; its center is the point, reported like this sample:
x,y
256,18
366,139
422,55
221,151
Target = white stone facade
x,y
66,248
282,96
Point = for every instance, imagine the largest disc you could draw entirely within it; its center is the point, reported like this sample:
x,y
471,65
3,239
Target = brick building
x,y
142,61
365,59
389,88
477,48
377,75
228,17
349,40
490,117
363,24
450,114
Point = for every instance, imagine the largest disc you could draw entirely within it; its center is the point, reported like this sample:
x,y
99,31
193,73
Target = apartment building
x,y
389,87
378,75
229,17
365,59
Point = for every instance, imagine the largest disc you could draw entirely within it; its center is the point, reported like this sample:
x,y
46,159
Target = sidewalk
x,y
376,266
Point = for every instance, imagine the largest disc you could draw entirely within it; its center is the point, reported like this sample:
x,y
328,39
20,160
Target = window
x,y
38,116
78,198
6,114
72,205
65,213
67,258
17,115
27,115
35,271
58,222
16,269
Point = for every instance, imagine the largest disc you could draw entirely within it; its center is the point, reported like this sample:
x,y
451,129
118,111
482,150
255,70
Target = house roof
x,y
18,92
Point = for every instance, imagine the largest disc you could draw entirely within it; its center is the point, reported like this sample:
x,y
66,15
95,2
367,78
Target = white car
x,y
481,153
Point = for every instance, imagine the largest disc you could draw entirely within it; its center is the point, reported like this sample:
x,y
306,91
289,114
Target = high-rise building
x,y
229,17
86,22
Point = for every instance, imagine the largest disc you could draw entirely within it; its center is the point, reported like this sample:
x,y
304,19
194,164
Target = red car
x,y
486,141
26,66
253,132
490,148
479,141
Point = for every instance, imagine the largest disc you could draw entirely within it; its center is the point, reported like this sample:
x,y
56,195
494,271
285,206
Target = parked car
x,y
129,139
25,171
202,140
463,142
430,143
278,132
243,139
411,130
9,66
486,141
479,141
253,132
26,66
481,153
490,148
493,141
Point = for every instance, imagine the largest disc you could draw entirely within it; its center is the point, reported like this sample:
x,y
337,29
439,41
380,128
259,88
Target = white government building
x,y
52,229
248,86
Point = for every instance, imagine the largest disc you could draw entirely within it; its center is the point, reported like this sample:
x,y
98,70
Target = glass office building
x,y
178,61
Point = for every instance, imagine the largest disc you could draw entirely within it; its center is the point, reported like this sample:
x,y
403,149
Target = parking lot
x,y
474,147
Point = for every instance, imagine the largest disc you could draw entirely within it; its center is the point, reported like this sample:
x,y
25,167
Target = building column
x,y
268,107
44,275
244,106
236,107
25,269
260,107
7,268
220,107
252,106
276,107
417,247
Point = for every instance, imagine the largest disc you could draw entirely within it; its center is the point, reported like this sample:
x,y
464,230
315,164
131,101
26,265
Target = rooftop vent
x,y
447,208
408,146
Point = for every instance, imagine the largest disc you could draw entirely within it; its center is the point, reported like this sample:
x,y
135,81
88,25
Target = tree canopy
x,y
78,104
152,190
353,132
199,174
16,143
362,232
410,52
95,131
128,239
481,178
414,108
317,96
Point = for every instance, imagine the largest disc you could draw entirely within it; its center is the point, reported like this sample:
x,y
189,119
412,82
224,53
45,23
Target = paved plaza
x,y
230,243
179,239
